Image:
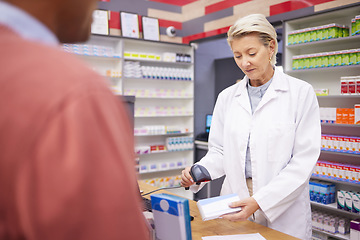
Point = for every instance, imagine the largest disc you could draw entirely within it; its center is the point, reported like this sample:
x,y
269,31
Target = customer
x,y
66,159
265,135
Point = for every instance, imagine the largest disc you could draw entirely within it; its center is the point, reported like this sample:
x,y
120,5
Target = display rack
x,y
328,78
161,77
322,77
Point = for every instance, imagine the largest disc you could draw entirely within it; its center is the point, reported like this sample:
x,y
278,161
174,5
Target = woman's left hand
x,y
248,207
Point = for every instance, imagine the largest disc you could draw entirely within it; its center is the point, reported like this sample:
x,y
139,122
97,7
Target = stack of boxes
x,y
340,115
337,171
330,223
322,192
342,144
350,85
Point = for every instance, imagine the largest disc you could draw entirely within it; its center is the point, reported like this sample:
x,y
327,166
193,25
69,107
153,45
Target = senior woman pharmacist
x,y
265,135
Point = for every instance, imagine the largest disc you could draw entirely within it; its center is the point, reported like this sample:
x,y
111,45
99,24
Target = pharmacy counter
x,y
220,226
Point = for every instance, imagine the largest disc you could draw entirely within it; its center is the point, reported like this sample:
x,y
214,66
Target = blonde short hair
x,y
254,23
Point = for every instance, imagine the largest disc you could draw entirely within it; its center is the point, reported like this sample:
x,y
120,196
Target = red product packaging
x,y
114,23
344,86
352,86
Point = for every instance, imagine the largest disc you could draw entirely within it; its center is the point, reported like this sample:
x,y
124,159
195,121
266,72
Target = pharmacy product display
x,y
324,50
161,77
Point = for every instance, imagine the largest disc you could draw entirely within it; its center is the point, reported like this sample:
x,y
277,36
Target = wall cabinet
x,y
161,77
328,78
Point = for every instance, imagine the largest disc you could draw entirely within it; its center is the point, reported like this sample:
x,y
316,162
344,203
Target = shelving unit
x,y
160,100
328,78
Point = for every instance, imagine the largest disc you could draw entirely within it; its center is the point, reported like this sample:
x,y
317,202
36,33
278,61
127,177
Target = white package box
x,y
212,208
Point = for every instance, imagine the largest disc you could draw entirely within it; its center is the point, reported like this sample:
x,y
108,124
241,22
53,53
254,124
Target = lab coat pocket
x,y
280,142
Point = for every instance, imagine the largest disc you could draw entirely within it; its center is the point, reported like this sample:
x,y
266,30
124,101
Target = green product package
x,y
312,61
307,35
333,32
337,59
331,61
318,61
352,57
344,58
290,39
295,63
357,20
319,34
301,37
296,38
345,32
353,27
324,60
301,63
358,56
313,34
306,62
325,32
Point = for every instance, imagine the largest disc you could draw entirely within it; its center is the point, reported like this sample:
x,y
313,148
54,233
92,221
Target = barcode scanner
x,y
199,174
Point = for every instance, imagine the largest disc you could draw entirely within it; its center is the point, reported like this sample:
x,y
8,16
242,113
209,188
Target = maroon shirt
x,y
66,149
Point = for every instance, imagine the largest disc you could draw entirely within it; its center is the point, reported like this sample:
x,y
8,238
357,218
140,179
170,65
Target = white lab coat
x,y
285,138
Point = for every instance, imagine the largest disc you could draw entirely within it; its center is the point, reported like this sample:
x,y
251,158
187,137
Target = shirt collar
x,y
25,25
262,89
278,83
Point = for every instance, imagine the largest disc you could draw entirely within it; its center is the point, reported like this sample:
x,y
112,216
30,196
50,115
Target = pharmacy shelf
x,y
167,98
322,78
159,80
333,208
165,134
163,63
164,116
120,46
328,42
340,129
339,101
165,151
334,235
328,179
324,69
111,58
347,158
161,171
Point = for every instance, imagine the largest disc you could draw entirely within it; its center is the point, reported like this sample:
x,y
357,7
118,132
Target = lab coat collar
x,y
279,83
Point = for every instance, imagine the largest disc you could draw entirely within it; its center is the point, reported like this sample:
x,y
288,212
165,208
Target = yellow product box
x,y
322,92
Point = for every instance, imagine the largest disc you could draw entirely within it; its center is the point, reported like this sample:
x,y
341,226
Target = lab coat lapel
x,y
242,96
277,84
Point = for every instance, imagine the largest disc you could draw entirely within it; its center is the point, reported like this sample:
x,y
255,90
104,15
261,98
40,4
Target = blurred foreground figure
x,y
66,158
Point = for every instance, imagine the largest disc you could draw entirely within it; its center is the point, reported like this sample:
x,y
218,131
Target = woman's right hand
x,y
186,179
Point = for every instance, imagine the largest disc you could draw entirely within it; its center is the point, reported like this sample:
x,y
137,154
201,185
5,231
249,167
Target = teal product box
x,y
341,199
356,202
348,201
171,217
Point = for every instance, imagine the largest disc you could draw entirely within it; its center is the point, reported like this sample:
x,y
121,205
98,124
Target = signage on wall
x,y
129,25
150,28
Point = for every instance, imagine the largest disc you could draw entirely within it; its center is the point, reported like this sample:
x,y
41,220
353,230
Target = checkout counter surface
x,y
215,227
